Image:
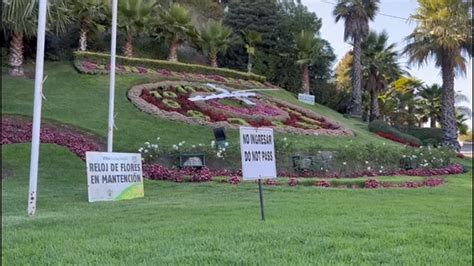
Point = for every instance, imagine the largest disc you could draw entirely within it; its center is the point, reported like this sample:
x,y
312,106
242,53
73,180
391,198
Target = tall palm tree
x,y
443,32
429,106
380,67
308,46
215,38
88,13
19,18
175,25
356,15
135,17
252,38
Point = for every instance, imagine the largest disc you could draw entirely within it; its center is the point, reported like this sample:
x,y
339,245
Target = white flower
x,y
368,168
147,143
383,143
404,156
145,150
284,139
226,144
175,147
200,144
366,162
194,146
344,163
180,144
140,150
158,138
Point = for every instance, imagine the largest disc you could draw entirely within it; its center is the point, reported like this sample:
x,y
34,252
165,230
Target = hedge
x,y
102,58
429,136
385,130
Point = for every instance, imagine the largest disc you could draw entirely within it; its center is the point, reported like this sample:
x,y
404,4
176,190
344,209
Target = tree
x,y
443,32
214,39
176,26
89,13
429,106
380,68
356,15
405,89
343,69
307,45
19,18
135,17
252,38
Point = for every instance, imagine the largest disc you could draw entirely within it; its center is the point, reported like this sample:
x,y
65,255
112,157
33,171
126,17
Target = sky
x,y
397,28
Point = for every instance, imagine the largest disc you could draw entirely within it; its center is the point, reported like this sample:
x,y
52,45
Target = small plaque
x,y
306,98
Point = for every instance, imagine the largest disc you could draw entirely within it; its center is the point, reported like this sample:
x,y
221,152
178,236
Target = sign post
x,y
35,135
113,45
258,157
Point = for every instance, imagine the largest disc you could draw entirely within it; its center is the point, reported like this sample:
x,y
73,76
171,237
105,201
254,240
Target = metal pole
x,y
110,135
261,199
35,135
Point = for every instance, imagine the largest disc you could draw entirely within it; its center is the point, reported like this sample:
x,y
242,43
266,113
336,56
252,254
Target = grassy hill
x,y
82,101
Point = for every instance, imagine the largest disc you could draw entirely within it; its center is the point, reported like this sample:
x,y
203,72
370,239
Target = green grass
x,y
210,223
219,224
82,101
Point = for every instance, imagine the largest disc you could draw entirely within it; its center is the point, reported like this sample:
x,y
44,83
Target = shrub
x,y
428,136
162,64
385,130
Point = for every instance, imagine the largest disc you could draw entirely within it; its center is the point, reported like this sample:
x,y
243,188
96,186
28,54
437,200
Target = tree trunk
x,y
249,63
448,119
305,79
83,36
356,101
16,54
173,57
213,60
128,48
433,122
374,106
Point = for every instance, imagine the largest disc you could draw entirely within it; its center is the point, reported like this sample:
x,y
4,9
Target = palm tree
x,y
356,15
88,13
176,26
443,32
380,67
430,104
215,38
19,18
252,38
308,47
135,17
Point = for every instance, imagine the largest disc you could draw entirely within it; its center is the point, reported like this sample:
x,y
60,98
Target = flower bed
x,y
128,62
229,112
15,130
90,67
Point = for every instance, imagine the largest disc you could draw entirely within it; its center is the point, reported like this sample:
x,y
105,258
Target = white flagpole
x,y
35,135
110,135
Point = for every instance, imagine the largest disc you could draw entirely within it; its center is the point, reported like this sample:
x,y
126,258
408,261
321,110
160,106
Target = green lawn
x,y
82,100
210,223
219,224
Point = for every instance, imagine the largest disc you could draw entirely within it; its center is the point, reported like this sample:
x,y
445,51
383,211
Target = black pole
x,y
261,198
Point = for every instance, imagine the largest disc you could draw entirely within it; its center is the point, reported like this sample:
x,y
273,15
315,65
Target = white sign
x,y
306,98
114,176
258,153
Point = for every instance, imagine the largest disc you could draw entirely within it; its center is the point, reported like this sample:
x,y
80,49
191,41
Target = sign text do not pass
x,y
257,153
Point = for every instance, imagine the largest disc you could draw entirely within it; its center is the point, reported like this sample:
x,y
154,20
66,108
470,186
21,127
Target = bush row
x,y
162,64
385,130
429,136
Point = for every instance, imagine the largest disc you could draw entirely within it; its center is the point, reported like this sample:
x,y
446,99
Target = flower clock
x,y
219,105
